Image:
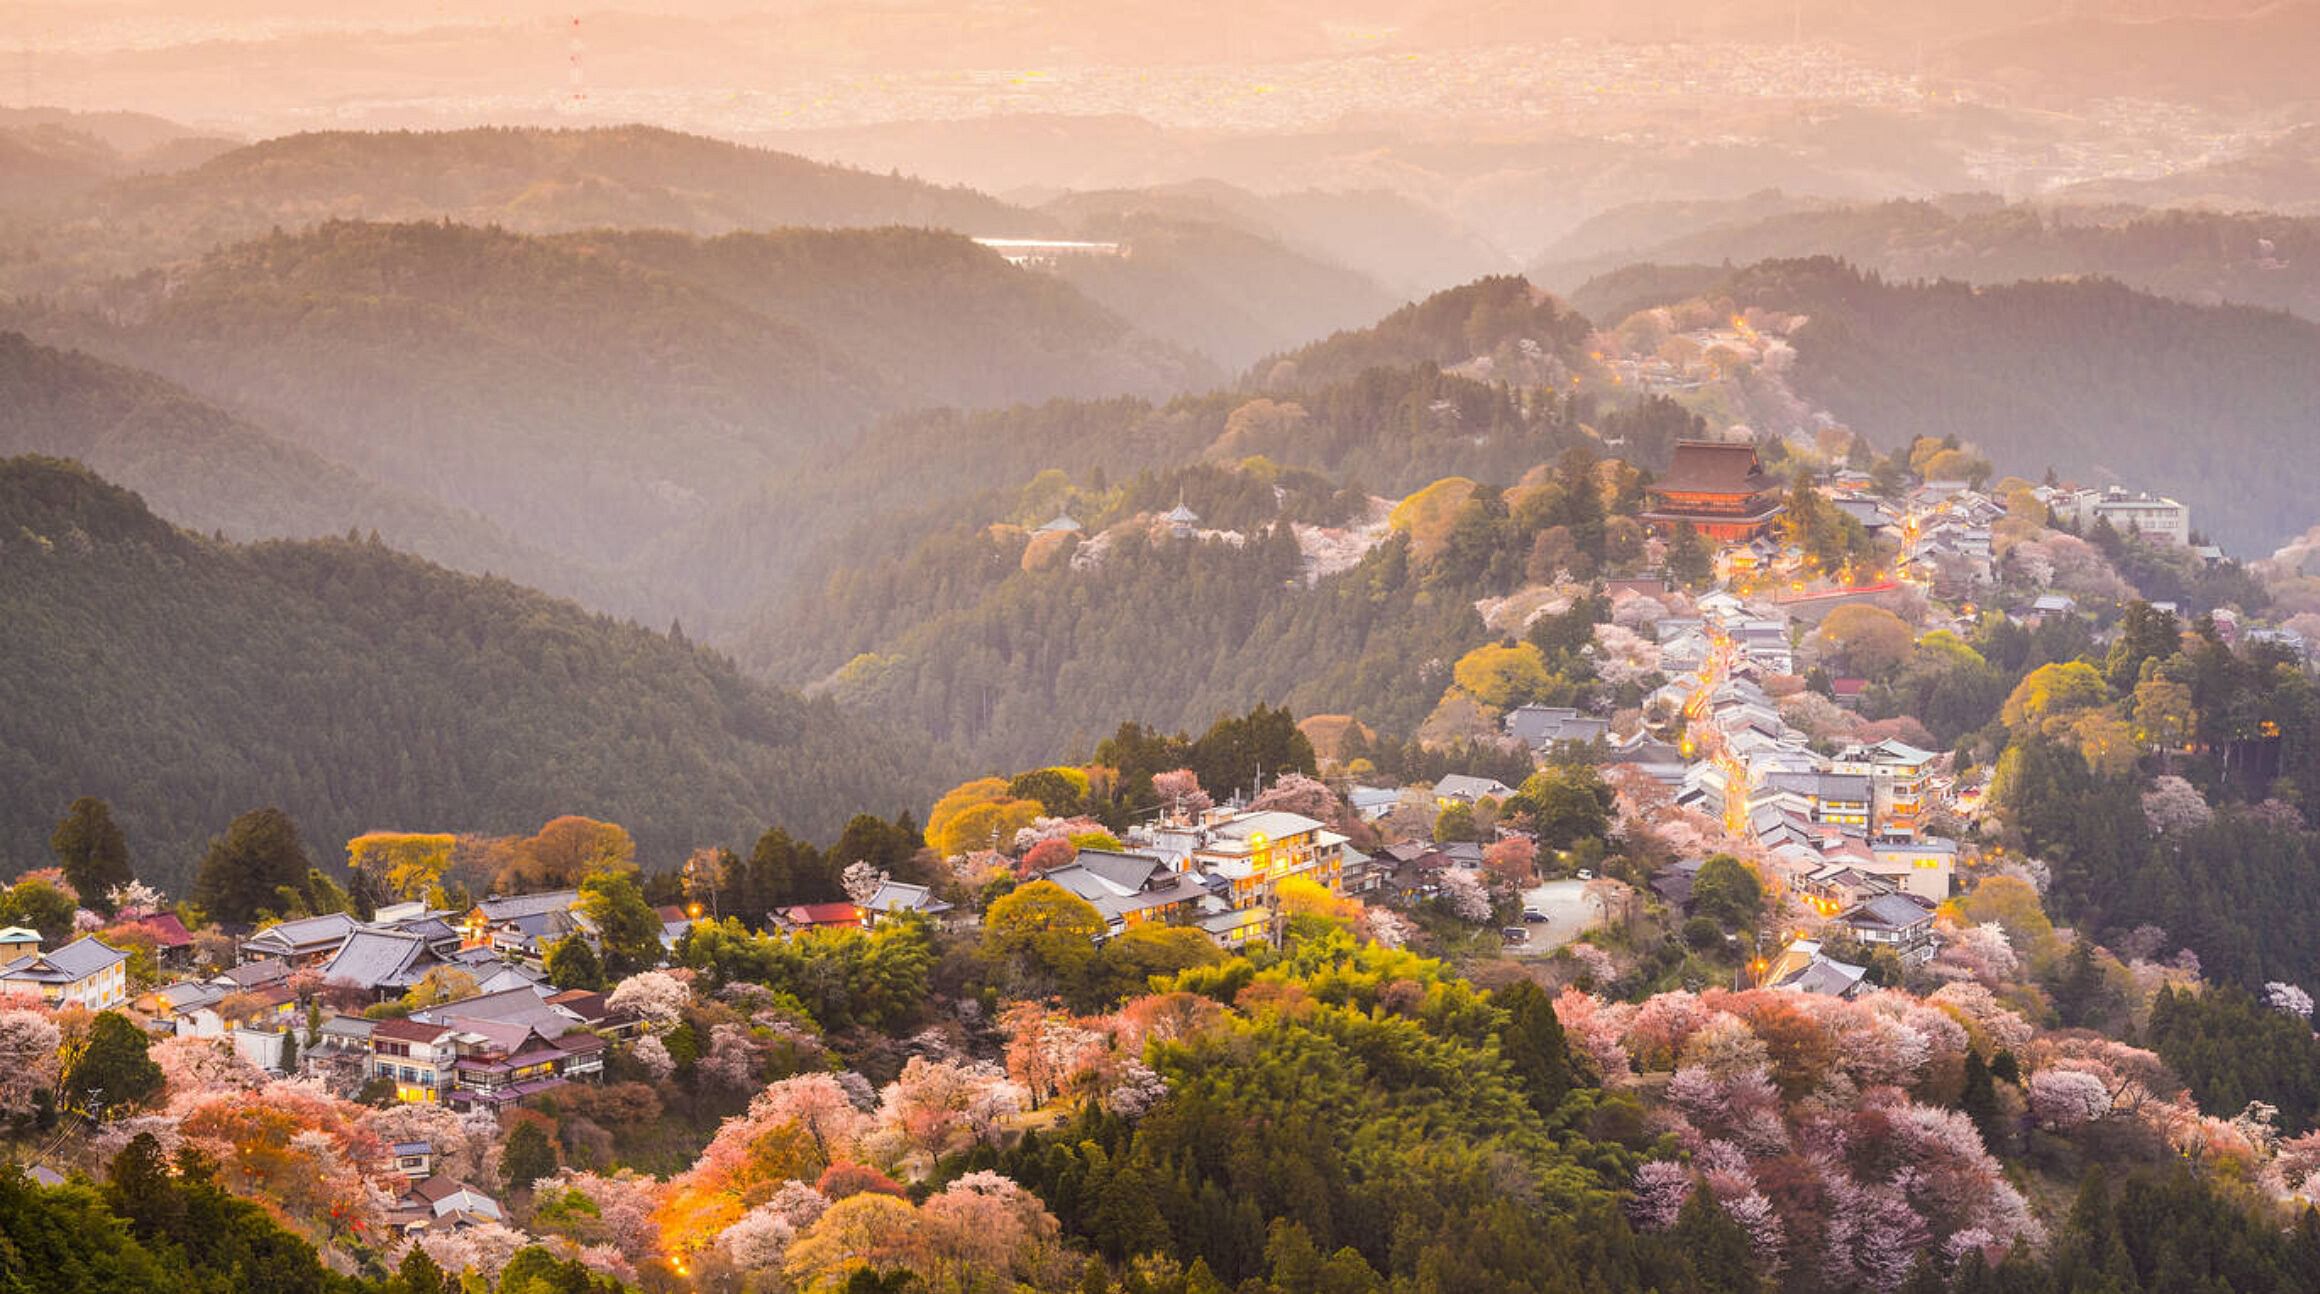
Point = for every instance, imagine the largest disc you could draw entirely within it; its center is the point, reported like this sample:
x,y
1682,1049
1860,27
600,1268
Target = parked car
x,y
1586,874
1534,916
1513,934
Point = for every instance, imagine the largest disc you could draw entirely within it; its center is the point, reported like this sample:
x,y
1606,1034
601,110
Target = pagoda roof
x,y
1715,467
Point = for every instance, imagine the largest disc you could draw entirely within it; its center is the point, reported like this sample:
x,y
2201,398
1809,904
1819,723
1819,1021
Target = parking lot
x,y
1569,915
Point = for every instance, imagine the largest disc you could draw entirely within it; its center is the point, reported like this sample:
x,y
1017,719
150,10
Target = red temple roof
x,y
1715,467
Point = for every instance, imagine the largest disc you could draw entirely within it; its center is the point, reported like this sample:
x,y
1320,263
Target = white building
x,y
86,972
2153,516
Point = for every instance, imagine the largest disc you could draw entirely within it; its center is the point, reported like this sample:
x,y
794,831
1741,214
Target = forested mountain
x,y
186,680
1502,320
998,639
2204,257
209,471
529,180
1227,293
1631,230
1406,246
2210,405
1612,297
1385,430
949,322
587,392
49,154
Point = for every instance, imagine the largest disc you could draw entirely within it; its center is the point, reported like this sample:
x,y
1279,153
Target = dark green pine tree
x,y
2005,1067
528,1156
2080,995
247,869
114,1069
1533,1044
92,851
1690,562
1715,1246
420,1274
139,1188
573,963
1979,1101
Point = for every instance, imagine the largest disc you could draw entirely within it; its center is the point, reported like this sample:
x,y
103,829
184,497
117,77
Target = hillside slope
x,y
585,393
2199,256
186,681
2212,405
209,471
1502,321
530,180
1223,291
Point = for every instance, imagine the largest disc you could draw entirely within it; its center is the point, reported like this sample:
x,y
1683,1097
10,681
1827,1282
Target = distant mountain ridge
x,y
585,392
525,179
358,688
2212,405
2205,257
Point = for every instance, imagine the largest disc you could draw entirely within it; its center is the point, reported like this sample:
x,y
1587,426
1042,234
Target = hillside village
x,y
1778,837
1719,794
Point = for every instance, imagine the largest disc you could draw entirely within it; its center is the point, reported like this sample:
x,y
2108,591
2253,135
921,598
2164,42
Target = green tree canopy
x,y
92,851
1045,932
1725,891
626,925
247,868
113,1066
573,963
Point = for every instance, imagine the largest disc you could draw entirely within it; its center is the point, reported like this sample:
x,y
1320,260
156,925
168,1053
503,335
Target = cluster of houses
x,y
1218,871
512,1034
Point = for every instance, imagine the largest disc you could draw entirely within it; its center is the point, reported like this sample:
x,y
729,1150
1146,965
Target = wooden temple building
x,y
1718,486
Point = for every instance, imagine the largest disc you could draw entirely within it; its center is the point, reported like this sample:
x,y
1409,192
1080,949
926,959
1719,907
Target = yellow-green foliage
x,y
1502,676
410,863
977,815
1427,516
2051,697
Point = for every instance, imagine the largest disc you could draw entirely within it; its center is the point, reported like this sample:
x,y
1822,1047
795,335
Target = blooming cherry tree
x,y
656,996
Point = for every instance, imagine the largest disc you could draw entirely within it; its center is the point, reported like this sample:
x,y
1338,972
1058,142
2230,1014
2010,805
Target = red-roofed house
x,y
172,942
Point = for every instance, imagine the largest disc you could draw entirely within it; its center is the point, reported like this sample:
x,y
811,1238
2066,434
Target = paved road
x,y
1569,915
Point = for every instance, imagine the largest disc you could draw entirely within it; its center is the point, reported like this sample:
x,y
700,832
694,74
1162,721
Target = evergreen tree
x,y
1979,1101
114,1067
1715,1246
92,851
1533,1044
2080,995
528,1155
1690,562
782,871
419,1274
139,1188
626,925
573,963
247,869
2005,1067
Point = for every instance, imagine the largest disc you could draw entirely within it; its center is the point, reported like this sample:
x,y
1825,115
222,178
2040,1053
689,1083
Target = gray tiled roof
x,y
1887,912
304,933
380,959
523,905
77,960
